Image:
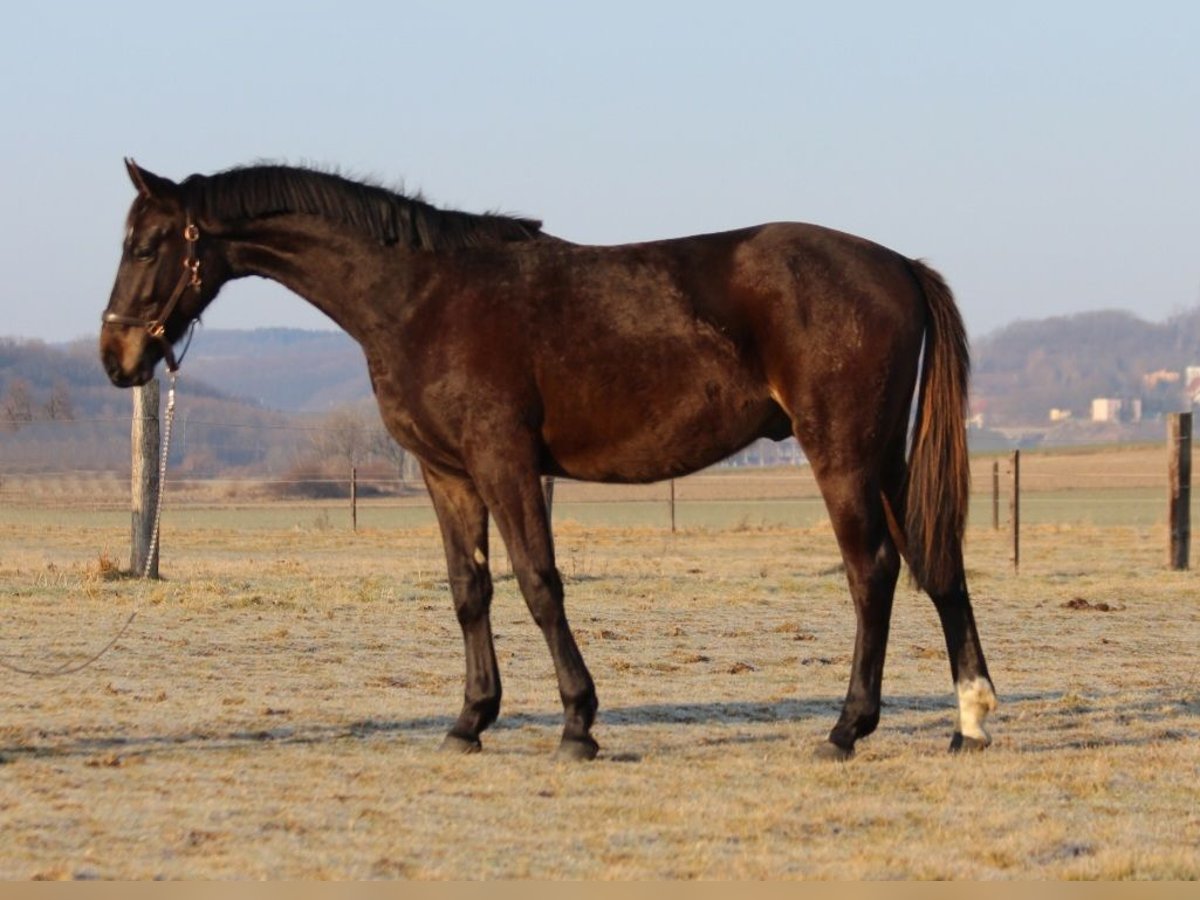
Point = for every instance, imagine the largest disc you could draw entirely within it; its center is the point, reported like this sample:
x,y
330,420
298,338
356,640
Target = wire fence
x,y
715,498
303,469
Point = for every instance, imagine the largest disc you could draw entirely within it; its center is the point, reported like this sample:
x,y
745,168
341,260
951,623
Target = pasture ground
x,y
275,709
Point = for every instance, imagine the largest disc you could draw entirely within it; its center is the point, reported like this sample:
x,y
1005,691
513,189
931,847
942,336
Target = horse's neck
x,y
329,267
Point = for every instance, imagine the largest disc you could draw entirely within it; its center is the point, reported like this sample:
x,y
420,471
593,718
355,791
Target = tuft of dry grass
x,y
106,568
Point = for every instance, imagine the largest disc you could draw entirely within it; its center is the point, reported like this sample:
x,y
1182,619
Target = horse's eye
x,y
144,252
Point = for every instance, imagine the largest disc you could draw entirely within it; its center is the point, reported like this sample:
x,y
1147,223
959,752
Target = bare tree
x,y
387,449
59,406
344,437
17,407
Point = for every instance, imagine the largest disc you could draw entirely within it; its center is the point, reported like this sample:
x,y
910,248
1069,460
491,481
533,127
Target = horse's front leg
x,y
464,522
514,496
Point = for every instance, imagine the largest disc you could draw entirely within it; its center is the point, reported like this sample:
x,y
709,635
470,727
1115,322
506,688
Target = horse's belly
x,y
659,438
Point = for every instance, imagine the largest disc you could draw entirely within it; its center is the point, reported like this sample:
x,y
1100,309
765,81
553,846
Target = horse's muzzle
x,y
128,358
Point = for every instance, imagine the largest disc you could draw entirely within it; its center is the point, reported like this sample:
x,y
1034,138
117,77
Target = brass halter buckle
x,y
191,234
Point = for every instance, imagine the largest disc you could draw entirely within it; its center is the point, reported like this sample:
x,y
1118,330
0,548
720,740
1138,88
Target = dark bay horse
x,y
499,353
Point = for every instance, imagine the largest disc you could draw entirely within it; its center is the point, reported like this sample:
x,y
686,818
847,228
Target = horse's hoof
x,y
828,750
456,743
577,749
962,744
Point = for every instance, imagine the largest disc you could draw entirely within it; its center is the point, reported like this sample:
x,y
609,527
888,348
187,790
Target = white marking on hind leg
x,y
976,698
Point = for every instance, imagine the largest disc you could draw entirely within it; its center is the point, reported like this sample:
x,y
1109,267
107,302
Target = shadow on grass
x,y
1150,710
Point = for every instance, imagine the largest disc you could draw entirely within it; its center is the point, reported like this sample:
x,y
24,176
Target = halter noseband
x,y
157,327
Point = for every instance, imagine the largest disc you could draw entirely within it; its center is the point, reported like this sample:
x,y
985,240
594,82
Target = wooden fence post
x,y
1014,509
995,495
672,506
144,483
354,498
1179,473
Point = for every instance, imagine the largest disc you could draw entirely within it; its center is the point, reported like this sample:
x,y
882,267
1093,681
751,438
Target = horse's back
x,y
679,352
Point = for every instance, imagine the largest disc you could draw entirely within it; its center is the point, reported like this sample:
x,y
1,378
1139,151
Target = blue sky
x,y
1044,156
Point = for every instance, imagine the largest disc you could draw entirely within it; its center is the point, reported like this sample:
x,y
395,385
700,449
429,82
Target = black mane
x,y
253,192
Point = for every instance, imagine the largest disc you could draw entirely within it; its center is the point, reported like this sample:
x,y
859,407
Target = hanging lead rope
x,y
168,421
69,668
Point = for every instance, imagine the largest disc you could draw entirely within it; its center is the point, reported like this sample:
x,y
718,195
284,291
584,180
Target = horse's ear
x,y
147,183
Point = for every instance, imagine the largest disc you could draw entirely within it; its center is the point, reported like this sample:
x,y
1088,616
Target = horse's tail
x,y
939,479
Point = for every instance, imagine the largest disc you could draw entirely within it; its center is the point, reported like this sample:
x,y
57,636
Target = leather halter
x,y
157,326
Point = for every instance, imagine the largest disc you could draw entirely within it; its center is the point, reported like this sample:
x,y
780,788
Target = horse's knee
x,y
471,590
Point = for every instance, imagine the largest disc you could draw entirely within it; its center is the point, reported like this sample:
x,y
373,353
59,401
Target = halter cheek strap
x,y
157,327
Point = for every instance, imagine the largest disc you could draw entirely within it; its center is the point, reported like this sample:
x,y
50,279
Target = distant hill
x,y
1024,370
58,411
286,369
76,366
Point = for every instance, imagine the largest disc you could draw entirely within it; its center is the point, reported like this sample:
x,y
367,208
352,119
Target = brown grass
x,y
274,712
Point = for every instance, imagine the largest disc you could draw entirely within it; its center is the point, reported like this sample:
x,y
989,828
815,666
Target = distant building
x,y
1059,415
1151,380
1106,409
1113,409
766,452
1191,379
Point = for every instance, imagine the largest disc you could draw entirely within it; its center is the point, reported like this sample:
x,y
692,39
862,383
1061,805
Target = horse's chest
x,y
396,407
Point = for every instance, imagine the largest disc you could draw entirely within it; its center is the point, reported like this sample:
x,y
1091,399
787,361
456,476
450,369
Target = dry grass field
x,y
275,709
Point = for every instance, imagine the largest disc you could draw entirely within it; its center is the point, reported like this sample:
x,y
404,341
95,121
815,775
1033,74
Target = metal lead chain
x,y
168,421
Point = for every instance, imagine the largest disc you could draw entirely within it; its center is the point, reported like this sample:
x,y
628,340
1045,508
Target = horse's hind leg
x,y
872,566
968,669
463,519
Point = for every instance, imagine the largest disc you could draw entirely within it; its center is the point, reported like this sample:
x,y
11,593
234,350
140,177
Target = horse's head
x,y
169,272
